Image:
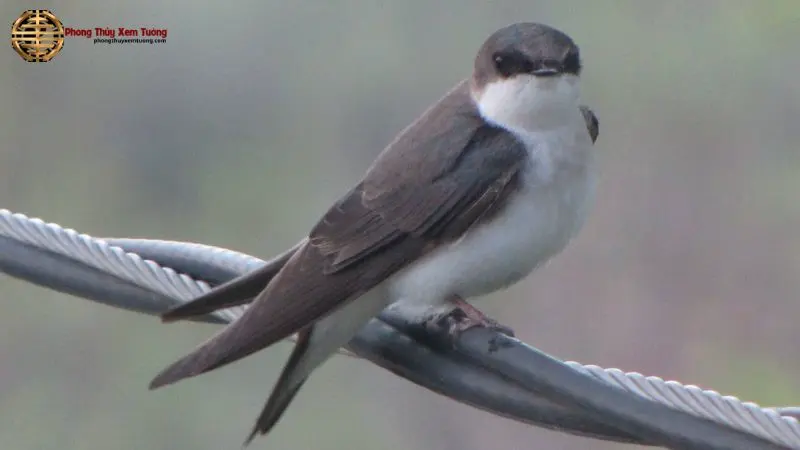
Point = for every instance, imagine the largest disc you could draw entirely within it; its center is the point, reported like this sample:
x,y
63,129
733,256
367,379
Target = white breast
x,y
536,224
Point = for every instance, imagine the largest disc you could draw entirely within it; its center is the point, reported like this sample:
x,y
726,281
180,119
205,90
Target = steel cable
x,y
148,276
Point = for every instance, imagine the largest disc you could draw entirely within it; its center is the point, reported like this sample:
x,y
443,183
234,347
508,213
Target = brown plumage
x,y
236,292
447,172
416,196
244,289
313,278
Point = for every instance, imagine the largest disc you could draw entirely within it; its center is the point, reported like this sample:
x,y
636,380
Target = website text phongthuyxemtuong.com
x,y
128,41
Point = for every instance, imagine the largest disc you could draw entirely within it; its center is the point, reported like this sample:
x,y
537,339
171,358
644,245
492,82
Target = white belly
x,y
537,223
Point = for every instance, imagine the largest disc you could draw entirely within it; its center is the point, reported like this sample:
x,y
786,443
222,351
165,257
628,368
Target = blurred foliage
x,y
256,115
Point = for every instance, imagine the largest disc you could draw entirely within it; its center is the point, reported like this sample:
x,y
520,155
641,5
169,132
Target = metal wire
x,y
766,423
98,254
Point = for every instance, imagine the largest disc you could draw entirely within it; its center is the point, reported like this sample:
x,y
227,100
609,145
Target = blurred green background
x,y
255,116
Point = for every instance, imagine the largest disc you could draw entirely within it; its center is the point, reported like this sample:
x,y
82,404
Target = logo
x,y
37,35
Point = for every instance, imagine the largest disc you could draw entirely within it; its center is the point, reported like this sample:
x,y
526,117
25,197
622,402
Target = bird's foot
x,y
461,319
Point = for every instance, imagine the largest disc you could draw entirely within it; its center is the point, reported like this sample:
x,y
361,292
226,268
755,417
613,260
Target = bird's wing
x,y
317,342
245,288
236,292
592,124
427,188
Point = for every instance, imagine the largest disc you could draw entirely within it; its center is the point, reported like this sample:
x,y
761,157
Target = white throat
x,y
527,104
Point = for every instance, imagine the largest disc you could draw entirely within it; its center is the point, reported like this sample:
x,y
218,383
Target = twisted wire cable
x,y
132,264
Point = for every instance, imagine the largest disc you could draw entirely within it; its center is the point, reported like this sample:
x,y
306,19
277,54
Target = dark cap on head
x,y
528,48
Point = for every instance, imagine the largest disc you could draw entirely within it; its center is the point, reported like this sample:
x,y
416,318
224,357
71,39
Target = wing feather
x,y
419,194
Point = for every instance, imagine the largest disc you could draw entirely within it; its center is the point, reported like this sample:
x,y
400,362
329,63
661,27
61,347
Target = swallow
x,y
488,184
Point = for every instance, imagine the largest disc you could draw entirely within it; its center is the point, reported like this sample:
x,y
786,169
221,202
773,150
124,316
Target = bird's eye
x,y
509,64
572,63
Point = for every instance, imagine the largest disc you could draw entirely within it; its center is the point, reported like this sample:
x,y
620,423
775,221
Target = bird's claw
x,y
450,326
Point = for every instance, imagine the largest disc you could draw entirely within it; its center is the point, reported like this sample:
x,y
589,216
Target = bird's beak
x,y
547,68
546,71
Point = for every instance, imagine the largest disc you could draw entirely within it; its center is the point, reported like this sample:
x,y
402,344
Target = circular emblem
x,y
37,35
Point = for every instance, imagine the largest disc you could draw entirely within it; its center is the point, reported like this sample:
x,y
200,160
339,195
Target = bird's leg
x,y
463,317
477,318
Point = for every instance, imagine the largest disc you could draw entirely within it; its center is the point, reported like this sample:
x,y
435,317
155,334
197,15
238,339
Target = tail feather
x,y
286,388
270,418
314,346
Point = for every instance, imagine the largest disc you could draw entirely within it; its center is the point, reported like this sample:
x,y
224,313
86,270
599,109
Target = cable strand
x,y
109,256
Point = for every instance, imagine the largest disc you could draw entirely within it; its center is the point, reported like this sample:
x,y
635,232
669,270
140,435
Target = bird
x,y
486,185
